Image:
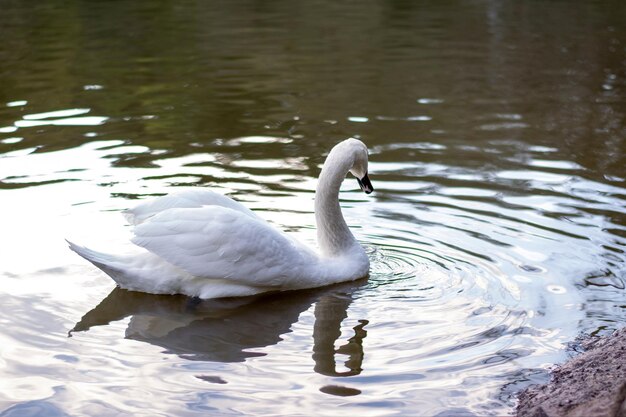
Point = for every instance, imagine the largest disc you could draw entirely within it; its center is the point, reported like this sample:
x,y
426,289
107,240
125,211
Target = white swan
x,y
203,244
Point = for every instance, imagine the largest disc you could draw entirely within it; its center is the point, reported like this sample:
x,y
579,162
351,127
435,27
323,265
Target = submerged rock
x,y
592,384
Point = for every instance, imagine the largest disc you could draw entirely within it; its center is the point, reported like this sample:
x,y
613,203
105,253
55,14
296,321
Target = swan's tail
x,y
140,272
91,255
113,265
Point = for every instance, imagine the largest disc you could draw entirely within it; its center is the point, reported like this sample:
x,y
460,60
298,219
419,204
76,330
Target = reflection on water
x,y
496,233
225,330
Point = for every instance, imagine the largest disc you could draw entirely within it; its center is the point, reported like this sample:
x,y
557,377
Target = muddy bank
x,y
592,384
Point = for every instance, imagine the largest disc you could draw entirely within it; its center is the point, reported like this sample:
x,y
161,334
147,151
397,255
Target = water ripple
x,y
496,233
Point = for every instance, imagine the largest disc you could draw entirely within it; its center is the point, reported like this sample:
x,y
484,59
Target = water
x,y
496,232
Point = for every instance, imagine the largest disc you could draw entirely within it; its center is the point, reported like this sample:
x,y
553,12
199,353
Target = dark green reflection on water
x,y
174,74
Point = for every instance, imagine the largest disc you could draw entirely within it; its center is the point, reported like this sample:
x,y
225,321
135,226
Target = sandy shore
x,y
592,384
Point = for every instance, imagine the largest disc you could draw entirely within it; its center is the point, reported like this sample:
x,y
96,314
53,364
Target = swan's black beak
x,y
365,184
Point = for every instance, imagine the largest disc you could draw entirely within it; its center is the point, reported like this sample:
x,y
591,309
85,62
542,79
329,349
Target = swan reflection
x,y
225,330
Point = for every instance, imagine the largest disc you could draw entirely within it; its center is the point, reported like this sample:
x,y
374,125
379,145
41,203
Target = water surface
x,y
496,232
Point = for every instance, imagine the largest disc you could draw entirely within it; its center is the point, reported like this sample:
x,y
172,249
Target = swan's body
x,y
203,244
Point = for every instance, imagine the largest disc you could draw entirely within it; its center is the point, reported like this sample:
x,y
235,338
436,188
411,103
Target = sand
x,y
592,384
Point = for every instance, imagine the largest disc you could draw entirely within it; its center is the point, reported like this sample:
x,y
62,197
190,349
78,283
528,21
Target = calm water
x,y
497,230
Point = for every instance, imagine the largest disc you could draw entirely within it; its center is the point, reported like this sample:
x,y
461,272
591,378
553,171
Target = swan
x,y
203,244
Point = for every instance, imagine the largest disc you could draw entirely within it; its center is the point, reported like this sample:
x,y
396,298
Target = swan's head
x,y
359,164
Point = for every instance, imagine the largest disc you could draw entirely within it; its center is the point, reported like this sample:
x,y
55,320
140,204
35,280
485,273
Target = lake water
x,y
496,232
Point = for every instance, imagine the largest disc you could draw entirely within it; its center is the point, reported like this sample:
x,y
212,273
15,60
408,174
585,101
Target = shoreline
x,y
591,384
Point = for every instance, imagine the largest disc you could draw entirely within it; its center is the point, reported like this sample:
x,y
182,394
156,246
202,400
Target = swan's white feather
x,y
193,198
216,242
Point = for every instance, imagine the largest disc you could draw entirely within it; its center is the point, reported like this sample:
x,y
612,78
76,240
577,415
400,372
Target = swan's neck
x,y
333,235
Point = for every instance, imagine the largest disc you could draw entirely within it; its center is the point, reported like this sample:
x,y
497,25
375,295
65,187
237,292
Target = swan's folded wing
x,y
183,199
221,243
